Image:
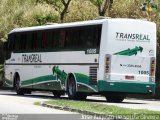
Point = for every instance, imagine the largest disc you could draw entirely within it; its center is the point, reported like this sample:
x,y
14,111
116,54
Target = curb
x,y
84,112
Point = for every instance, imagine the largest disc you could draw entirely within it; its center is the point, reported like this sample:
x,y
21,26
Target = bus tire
x,y
28,92
115,98
58,94
18,88
71,88
81,96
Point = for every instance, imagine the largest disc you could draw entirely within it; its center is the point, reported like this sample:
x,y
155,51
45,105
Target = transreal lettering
x,y
141,37
31,58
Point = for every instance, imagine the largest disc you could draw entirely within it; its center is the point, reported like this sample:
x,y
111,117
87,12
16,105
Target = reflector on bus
x,y
152,69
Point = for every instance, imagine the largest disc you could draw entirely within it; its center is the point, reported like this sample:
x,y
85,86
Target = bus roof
x,y
71,24
62,25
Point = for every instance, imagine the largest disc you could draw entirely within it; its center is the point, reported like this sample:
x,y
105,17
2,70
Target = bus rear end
x,y
127,58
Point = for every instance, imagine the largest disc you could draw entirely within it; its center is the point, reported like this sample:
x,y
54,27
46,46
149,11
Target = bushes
x,y
21,13
43,19
39,15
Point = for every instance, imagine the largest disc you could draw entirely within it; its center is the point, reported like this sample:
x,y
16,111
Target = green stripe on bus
x,y
7,83
126,86
38,80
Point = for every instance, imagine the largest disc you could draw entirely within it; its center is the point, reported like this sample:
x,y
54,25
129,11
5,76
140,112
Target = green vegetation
x,y
37,103
101,108
21,13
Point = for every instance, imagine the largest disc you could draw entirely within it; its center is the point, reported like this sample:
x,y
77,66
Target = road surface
x,y
12,103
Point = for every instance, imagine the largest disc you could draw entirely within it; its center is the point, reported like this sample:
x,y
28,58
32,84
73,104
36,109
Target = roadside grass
x,y
102,109
37,103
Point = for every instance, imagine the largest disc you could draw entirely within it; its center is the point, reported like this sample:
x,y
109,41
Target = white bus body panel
x,y
117,35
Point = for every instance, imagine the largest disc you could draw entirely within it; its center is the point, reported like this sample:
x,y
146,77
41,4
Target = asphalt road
x,y
12,103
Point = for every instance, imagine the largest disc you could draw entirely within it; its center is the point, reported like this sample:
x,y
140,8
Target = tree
x,y
150,7
81,12
102,6
59,5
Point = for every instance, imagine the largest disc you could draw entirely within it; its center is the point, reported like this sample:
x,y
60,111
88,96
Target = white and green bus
x,y
109,57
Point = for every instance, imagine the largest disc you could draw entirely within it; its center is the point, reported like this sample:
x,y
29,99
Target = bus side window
x,y
39,39
8,47
23,39
29,41
53,40
11,42
56,39
97,37
89,37
73,38
76,37
49,40
85,37
81,38
68,38
44,42
34,39
17,42
62,39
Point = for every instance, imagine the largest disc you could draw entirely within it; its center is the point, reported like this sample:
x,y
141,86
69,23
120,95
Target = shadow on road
x,y
47,96
34,95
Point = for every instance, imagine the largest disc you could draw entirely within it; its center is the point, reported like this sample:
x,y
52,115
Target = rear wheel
x,y
81,96
18,88
58,94
71,90
115,97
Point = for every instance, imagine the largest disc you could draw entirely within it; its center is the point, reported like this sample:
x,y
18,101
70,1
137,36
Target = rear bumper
x,y
127,87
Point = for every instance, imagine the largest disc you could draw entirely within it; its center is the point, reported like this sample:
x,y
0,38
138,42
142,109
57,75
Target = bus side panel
x,y
55,77
8,76
52,72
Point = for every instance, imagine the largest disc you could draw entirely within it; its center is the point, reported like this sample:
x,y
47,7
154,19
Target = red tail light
x,y
127,77
108,63
152,69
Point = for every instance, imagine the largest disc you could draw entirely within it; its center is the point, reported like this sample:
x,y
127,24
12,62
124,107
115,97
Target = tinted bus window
x,y
34,41
39,40
23,39
29,41
11,42
44,40
74,37
17,42
49,39
56,38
